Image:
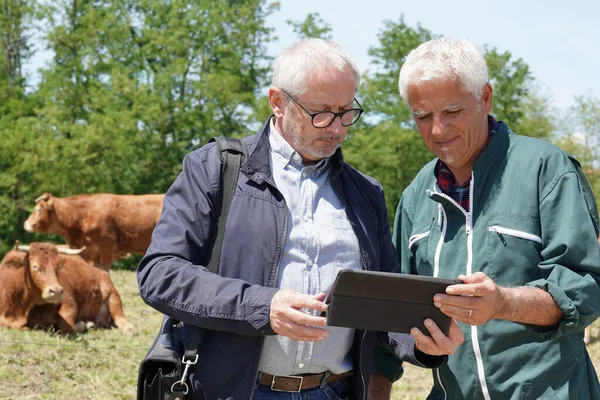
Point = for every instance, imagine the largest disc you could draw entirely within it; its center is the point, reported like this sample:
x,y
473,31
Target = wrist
x,y
505,299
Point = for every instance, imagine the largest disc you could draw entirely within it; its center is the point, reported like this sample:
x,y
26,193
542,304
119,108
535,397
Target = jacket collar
x,y
258,165
496,149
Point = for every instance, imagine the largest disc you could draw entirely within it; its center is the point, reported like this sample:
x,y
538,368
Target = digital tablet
x,y
384,301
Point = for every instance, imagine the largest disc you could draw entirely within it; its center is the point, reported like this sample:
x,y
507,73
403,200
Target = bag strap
x,y
233,153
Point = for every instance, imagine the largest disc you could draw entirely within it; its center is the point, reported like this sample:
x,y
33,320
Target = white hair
x,y
297,64
442,59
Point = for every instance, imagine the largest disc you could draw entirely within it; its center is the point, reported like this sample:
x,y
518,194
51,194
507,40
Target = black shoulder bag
x,y
163,371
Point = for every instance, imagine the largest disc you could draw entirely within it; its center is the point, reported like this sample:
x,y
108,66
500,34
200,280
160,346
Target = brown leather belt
x,y
297,383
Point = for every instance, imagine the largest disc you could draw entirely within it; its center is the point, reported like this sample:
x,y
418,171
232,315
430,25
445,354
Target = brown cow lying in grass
x,y
68,288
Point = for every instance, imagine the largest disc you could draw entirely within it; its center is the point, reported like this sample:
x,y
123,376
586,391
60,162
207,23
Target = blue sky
x,y
559,40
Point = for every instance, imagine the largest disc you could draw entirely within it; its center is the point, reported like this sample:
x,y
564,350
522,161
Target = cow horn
x,y
72,252
16,246
45,196
23,247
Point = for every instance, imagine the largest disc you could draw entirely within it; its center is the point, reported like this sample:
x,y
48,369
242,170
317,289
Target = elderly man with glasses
x,y
299,215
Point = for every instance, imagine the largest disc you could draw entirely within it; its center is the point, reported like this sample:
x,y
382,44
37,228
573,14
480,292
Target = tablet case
x,y
388,302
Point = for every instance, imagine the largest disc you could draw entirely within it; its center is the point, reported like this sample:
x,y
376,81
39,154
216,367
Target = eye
x,y
35,267
424,117
453,112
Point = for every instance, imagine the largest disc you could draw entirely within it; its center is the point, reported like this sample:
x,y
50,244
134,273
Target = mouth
x,y
329,140
446,143
54,299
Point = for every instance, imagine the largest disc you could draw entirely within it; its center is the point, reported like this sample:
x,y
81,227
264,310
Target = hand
x,y
288,320
438,344
475,302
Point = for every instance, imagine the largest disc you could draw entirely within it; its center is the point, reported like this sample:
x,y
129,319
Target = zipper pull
x,y
439,214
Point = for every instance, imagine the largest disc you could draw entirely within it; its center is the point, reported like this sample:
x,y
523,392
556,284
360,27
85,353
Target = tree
x,y
385,144
313,26
133,86
581,137
517,100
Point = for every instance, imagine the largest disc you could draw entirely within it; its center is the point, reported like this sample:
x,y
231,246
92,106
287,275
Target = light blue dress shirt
x,y
320,241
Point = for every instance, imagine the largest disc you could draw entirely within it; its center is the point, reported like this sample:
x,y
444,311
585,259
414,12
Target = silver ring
x,y
470,313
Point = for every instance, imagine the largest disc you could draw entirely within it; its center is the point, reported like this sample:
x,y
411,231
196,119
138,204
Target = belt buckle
x,y
300,378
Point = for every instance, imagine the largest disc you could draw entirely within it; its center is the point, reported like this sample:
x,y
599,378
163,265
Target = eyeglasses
x,y
323,119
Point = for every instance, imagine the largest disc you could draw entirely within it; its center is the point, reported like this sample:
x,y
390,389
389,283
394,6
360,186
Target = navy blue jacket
x,y
233,306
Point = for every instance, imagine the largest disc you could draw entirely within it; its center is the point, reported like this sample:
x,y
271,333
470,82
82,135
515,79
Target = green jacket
x,y
529,225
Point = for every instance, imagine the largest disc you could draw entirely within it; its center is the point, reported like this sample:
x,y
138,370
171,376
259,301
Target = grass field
x,y
102,364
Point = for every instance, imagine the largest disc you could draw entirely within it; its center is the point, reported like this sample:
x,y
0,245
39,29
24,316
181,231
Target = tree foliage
x,y
134,85
581,137
312,26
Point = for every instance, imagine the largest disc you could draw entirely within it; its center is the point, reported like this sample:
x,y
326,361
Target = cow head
x,y
42,264
42,216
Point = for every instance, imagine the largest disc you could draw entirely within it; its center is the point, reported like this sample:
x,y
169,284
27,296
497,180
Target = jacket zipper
x,y
469,270
415,238
513,232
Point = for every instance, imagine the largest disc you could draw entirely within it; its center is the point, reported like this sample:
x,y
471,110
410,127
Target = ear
x,y
277,102
487,96
50,203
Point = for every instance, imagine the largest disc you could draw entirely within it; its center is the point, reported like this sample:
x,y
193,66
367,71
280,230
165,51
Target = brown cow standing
x,y
76,291
110,226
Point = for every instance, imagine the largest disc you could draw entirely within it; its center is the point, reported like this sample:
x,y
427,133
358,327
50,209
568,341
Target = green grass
x,y
103,364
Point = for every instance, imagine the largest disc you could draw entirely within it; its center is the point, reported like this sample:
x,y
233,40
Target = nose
x,y
27,226
54,294
336,125
438,126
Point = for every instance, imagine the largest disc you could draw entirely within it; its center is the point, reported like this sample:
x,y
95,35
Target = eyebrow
x,y
449,107
325,108
419,113
452,107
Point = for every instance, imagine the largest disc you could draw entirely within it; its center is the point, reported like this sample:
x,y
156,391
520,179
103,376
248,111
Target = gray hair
x,y
294,67
444,58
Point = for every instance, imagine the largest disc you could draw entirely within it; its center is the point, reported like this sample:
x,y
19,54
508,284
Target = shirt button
x,y
305,218
309,263
301,365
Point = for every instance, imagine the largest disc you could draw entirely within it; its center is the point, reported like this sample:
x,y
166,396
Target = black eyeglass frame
x,y
335,114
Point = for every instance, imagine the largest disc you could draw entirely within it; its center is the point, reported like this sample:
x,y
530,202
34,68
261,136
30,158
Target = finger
x,y
422,341
303,318
466,315
455,333
302,332
308,301
319,296
477,277
444,300
467,289
442,342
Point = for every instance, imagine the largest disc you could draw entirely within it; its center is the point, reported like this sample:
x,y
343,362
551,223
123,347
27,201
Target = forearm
x,y
529,305
380,387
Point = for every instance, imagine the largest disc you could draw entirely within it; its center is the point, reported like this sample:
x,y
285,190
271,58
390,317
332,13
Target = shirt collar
x,y
285,154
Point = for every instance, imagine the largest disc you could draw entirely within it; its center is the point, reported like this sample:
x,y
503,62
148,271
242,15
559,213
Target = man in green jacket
x,y
511,216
